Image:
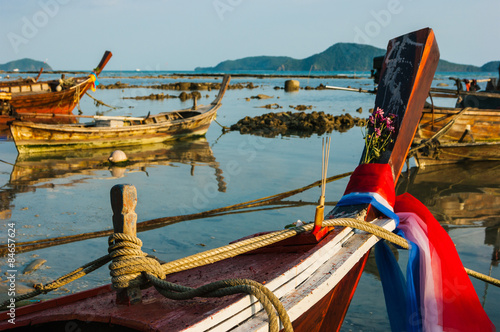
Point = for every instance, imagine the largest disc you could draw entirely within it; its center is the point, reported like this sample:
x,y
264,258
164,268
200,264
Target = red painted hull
x,y
99,305
42,97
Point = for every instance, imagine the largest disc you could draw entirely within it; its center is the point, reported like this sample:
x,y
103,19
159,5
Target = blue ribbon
x,y
401,297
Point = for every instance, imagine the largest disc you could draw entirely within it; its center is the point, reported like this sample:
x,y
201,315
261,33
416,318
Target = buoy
x,y
117,156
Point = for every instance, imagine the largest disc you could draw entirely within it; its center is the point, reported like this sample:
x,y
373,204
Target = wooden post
x,y
195,103
123,203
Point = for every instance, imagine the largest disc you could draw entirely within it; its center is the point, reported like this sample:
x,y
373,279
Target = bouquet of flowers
x,y
379,135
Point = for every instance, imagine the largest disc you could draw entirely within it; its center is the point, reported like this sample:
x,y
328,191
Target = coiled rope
x,y
132,267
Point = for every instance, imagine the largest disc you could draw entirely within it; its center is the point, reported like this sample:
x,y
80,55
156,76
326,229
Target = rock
x,y
117,156
183,86
442,84
302,107
261,96
296,123
34,265
292,85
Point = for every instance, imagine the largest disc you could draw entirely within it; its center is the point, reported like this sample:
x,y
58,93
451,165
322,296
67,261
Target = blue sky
x,y
182,35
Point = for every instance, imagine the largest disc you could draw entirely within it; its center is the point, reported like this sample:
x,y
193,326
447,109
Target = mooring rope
x,y
100,102
132,267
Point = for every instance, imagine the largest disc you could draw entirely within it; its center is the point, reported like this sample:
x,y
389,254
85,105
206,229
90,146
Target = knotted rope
x,y
129,262
132,267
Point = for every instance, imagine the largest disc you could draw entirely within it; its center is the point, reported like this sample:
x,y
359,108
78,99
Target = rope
x,y
132,267
66,279
150,224
483,277
223,127
440,132
129,261
269,301
99,102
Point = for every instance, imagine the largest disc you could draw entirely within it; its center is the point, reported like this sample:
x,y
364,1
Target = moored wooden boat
x,y
314,276
451,135
117,131
47,97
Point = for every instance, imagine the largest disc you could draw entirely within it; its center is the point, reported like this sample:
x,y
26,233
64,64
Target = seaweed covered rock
x,y
296,123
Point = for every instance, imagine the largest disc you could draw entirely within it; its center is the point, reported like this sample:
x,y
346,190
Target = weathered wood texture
x,y
473,134
33,138
29,96
123,203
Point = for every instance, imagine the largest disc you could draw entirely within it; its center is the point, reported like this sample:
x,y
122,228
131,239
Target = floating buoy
x,y
117,156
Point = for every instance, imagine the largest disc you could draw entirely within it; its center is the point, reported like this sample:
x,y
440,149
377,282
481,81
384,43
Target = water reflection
x,y
463,195
40,170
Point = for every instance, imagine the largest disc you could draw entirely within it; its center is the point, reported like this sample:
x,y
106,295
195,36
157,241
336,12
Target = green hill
x,y
491,66
338,57
25,65
341,56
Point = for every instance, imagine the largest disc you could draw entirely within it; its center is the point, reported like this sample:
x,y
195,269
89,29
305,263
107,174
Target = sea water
x,y
60,196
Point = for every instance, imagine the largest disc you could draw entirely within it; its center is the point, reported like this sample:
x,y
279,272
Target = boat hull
x,y
35,138
49,102
300,273
473,135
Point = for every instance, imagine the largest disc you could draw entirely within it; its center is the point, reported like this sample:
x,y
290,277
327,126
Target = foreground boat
x,y
117,131
313,273
55,97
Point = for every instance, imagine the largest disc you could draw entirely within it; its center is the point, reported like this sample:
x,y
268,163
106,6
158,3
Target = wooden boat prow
x,y
47,97
109,131
315,279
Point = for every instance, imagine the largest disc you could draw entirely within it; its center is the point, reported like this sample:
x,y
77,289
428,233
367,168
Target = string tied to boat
x,y
129,262
267,299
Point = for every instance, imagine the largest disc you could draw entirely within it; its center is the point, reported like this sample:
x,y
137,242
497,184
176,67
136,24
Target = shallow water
x,y
58,196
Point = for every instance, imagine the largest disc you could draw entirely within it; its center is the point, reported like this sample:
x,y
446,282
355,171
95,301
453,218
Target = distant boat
x,y
452,135
47,97
109,131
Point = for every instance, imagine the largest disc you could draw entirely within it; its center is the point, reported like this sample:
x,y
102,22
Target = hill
x,y
341,56
25,65
491,66
338,57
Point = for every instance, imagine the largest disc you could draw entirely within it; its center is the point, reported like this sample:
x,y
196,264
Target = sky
x,y
185,34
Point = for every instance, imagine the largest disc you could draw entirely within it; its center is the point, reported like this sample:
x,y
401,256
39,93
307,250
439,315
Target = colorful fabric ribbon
x,y
437,294
93,79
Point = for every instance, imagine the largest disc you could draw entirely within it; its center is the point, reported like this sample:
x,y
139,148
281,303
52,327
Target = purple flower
x,y
377,132
388,122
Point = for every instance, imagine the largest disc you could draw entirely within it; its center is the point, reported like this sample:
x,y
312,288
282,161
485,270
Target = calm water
x,y
65,195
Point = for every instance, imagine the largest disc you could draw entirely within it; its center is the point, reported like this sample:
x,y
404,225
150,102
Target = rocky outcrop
x,y
296,123
160,96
